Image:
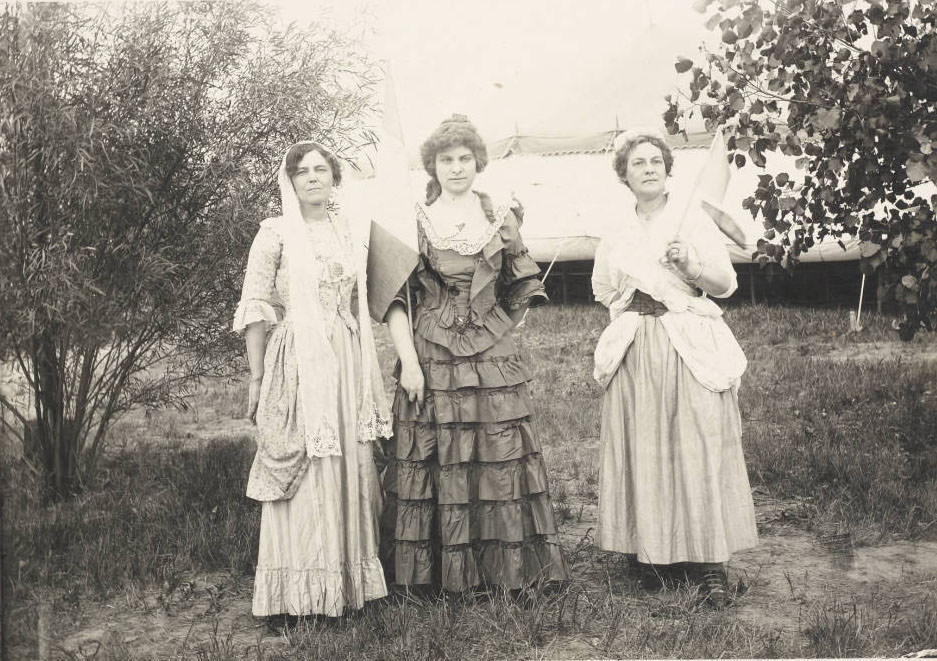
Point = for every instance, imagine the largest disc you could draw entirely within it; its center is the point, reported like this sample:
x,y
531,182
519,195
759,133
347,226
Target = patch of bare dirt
x,y
208,613
883,351
787,572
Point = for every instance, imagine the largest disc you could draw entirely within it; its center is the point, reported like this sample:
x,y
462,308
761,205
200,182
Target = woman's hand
x,y
411,376
253,398
682,258
413,382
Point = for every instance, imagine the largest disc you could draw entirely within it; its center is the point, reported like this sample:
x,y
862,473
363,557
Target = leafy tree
x,y
137,153
850,89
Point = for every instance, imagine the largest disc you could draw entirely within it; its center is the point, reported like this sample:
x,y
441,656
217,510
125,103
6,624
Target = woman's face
x,y
456,169
646,173
313,179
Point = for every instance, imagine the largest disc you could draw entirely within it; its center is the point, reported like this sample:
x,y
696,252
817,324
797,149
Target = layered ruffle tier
x,y
324,591
468,490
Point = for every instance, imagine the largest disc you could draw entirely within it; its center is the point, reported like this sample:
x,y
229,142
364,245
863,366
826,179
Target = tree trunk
x,y
55,439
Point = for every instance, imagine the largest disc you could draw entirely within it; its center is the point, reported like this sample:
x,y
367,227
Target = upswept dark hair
x,y
620,161
298,151
456,131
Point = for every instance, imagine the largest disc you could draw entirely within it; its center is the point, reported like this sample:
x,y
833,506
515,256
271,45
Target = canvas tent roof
x,y
569,192
591,143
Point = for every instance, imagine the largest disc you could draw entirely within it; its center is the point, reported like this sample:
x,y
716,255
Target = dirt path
x,y
883,351
209,615
788,571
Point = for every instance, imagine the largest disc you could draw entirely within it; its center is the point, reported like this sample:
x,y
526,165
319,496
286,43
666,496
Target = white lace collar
x,y
468,241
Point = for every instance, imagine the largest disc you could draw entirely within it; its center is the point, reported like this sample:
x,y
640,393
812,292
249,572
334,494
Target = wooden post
x,y
751,282
879,293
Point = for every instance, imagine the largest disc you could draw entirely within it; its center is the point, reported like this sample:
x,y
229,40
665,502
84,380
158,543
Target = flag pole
x,y
550,267
714,149
542,280
709,188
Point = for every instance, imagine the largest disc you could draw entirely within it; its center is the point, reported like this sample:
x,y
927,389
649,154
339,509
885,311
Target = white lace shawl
x,y
317,364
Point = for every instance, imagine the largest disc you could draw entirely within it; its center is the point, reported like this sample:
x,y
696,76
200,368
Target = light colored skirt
x,y
673,485
319,550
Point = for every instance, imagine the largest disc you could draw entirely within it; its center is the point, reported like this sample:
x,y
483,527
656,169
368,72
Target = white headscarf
x,y
317,364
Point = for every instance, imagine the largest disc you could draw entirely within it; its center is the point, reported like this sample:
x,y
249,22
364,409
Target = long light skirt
x,y
673,485
319,550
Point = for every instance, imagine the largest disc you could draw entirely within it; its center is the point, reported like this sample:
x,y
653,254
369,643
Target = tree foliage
x,y
138,149
850,90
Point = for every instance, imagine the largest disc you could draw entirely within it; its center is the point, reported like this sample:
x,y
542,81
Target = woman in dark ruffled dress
x,y
467,489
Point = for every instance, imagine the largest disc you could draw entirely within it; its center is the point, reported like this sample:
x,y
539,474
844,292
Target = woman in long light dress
x,y
673,484
316,397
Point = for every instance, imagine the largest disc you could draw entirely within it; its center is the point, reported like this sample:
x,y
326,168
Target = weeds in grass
x,y
155,516
853,440
853,437
218,647
838,630
917,625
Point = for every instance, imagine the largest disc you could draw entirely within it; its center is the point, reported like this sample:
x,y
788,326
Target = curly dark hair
x,y
456,131
299,150
620,161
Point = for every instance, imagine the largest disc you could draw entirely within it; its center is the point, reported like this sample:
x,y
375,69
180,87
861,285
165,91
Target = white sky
x,y
559,67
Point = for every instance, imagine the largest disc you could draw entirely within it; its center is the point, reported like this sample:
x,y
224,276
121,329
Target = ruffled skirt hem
x,y
493,563
317,591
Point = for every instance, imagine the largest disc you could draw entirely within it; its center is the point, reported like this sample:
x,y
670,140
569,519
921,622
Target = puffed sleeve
x,y
711,249
413,286
259,299
602,288
520,275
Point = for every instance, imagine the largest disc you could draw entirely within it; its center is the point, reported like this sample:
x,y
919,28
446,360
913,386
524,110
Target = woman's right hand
x,y
413,382
253,398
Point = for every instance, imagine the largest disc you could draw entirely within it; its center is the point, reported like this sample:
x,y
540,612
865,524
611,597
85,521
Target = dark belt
x,y
644,304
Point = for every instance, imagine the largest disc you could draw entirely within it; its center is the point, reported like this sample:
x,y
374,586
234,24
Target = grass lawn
x,y
155,559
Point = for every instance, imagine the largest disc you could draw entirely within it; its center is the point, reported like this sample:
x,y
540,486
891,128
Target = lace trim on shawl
x,y
463,246
372,425
323,442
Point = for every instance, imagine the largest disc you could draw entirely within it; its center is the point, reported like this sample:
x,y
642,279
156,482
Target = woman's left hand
x,y
681,257
253,398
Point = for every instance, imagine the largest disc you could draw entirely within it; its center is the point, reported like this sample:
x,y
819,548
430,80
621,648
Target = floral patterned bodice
x,y
267,282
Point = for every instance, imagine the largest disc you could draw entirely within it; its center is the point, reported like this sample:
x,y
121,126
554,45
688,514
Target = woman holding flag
x,y
470,505
674,491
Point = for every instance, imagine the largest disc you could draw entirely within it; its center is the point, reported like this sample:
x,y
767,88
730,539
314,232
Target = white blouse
x,y
628,259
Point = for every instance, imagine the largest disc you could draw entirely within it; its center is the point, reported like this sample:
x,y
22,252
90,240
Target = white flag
x,y
392,247
709,189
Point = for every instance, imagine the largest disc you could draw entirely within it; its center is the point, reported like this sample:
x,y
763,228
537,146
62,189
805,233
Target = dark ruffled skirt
x,y
468,501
